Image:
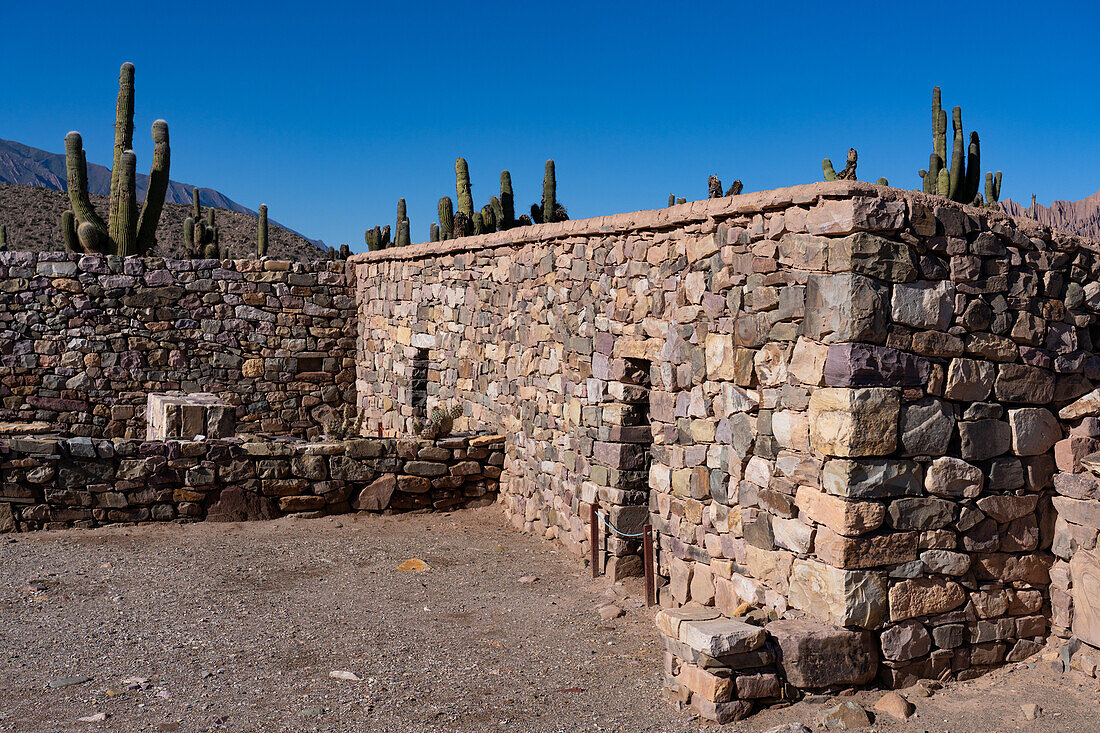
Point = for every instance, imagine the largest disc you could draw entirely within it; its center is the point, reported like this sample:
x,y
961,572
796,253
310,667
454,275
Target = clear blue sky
x,y
331,112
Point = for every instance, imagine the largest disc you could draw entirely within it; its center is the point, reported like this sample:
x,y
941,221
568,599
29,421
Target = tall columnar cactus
x,y
462,188
433,232
377,238
672,199
446,218
549,192
735,188
345,251
196,207
959,181
261,232
507,201
403,236
126,232
201,238
488,219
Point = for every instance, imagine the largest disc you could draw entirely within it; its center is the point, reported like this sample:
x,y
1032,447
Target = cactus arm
x,y
127,211
189,238
403,239
938,158
446,218
973,169
77,173
507,201
196,208
479,223
68,231
827,169
958,161
993,190
124,140
261,232
549,192
465,198
735,188
158,186
681,200
943,183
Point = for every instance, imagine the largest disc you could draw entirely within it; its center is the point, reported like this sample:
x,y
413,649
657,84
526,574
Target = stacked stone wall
x,y
51,483
85,338
853,397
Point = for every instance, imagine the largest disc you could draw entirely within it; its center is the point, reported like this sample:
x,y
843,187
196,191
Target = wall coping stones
x,y
698,212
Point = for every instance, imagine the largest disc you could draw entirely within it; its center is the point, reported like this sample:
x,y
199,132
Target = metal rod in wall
x,y
594,539
647,563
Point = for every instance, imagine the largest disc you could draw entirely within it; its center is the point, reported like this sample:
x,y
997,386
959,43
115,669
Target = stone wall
x,y
48,482
85,338
844,396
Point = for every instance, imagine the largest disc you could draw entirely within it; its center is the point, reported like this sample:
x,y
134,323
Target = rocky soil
x,y
33,218
309,625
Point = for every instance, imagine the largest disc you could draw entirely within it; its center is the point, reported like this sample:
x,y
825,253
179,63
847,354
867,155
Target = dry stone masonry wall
x,y
49,483
85,338
852,411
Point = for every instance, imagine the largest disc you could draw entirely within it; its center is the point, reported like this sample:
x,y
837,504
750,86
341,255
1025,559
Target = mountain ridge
x,y
1081,217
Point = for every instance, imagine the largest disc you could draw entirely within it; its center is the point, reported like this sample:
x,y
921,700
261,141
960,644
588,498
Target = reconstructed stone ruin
x,y
837,404
860,420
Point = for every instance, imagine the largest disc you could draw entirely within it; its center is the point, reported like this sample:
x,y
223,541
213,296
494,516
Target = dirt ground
x,y
214,627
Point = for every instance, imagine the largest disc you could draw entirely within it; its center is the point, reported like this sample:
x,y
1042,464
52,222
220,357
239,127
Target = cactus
x,y
497,210
196,208
882,182
126,231
403,237
68,232
849,172
672,199
488,219
524,221
261,232
964,173
507,202
463,226
440,422
735,188
714,188
479,223
345,251
462,188
3,237
446,218
433,232
681,200
993,189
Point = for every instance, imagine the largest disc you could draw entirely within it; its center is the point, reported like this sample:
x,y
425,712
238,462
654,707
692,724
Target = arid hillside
x,y
33,219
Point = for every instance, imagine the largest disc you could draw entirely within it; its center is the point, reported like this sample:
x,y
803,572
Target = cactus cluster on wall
x,y
714,190
848,173
126,231
201,239
958,181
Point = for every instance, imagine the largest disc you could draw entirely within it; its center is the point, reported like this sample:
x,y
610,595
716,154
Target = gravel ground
x,y
211,627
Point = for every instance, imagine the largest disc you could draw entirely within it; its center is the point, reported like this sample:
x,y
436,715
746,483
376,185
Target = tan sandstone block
x,y
841,597
924,597
854,422
843,517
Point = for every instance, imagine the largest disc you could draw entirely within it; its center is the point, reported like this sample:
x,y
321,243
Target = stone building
x,y
861,421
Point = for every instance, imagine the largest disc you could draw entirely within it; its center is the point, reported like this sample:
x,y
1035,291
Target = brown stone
x,y
815,655
867,551
705,683
376,496
924,597
843,517
854,422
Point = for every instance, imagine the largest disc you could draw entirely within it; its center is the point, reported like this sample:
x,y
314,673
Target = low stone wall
x,y
51,483
85,338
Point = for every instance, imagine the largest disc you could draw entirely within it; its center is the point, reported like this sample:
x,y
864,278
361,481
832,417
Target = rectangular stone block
x,y
854,422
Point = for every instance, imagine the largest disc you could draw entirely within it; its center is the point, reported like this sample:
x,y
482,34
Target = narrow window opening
x,y
419,383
